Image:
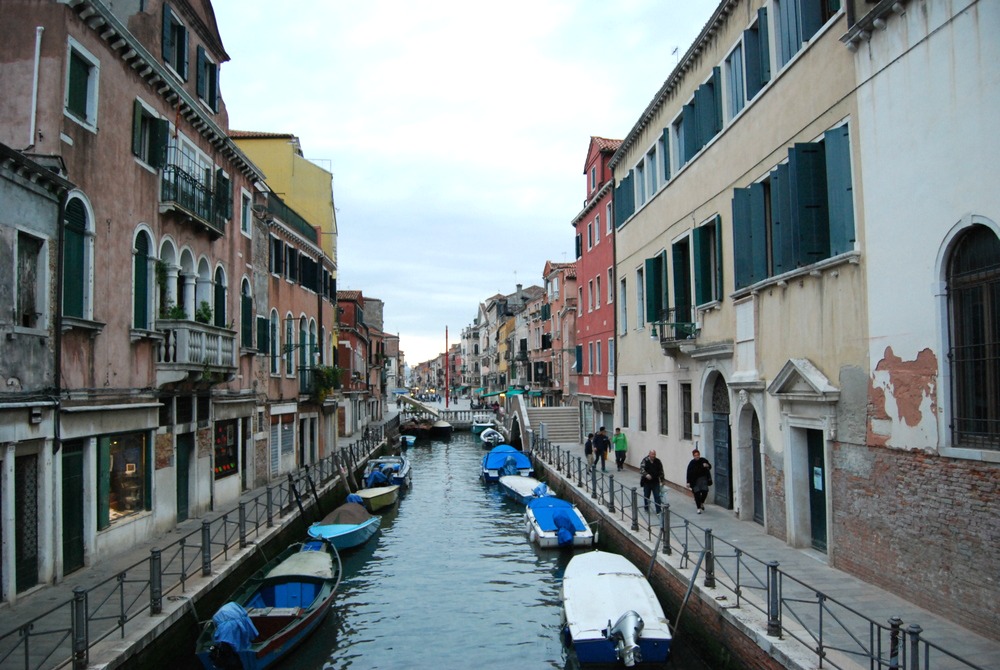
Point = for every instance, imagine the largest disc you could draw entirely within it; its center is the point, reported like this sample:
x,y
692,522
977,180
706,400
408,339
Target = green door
x,y
817,489
185,449
72,506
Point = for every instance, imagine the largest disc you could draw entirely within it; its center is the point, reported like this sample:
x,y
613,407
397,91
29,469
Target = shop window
x,y
123,482
226,462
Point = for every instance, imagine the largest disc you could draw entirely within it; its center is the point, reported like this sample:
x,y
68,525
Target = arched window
x,y
77,266
974,303
220,297
289,345
246,315
141,284
275,342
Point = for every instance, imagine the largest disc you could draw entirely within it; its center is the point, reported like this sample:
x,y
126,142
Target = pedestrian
x,y
652,477
699,478
620,443
588,451
601,447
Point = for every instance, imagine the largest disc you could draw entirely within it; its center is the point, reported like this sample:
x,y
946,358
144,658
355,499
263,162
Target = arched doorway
x,y
722,454
758,470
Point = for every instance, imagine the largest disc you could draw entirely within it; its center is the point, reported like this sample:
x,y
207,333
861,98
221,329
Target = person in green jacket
x,y
620,443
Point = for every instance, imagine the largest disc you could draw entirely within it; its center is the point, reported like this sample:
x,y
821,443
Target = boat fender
x,y
625,635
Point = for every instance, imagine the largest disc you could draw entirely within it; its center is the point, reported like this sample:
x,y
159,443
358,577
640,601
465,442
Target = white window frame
x,y
93,85
622,308
246,212
609,222
640,298
597,292
611,285
597,230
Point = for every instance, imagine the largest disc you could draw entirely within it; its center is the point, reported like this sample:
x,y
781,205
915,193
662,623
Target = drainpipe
x,y
34,85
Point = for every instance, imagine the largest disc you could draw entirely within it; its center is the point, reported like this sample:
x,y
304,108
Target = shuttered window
x,y
655,288
220,311
140,282
74,259
263,334
708,261
840,193
175,43
758,55
624,200
682,281
246,316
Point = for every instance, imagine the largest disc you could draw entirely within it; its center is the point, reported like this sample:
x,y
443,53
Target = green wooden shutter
x,y
168,35
742,260
701,239
159,137
784,248
220,304
137,113
140,281
840,196
810,18
183,46
654,289
79,85
579,246
758,233
74,245
764,52
810,214
666,154
263,334
682,284
717,100
624,200
751,44
200,74
103,482
246,321
223,195
689,128
579,359
718,258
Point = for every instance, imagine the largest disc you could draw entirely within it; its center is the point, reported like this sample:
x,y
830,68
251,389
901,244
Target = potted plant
x,y
204,312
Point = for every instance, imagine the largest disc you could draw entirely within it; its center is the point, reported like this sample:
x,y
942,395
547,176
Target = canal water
x,y
449,581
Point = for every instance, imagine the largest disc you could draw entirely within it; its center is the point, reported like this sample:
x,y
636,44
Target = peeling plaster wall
x,y
903,401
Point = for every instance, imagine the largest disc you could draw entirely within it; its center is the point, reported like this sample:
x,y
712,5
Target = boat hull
x,y
599,587
519,488
379,497
345,535
542,529
494,464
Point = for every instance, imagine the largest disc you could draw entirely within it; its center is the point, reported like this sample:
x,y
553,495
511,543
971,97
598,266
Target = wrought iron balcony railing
x,y
185,194
675,327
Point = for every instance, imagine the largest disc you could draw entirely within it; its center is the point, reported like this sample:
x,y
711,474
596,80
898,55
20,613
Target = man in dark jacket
x,y
699,478
651,475
602,445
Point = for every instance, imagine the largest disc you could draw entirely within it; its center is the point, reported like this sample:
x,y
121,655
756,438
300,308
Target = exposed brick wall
x,y
164,450
774,491
922,526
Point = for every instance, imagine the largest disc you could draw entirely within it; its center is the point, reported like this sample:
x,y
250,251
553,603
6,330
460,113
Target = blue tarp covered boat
x,y
523,489
349,525
505,460
554,522
275,610
394,470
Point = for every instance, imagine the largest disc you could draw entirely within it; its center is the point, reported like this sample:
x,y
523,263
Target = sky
x,y
456,131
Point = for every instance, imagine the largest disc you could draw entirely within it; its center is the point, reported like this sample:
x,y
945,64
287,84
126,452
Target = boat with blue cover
x,y
349,525
523,489
553,522
274,610
612,614
505,460
395,470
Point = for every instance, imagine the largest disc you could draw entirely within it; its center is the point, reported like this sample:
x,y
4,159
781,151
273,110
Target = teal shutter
x,y
168,36
223,195
807,171
666,154
789,36
718,258
579,246
220,304
263,334
682,285
702,265
182,45
742,257
74,245
140,282
810,18
654,289
137,113
624,200
784,248
160,135
201,74
579,358
79,79
764,52
246,322
840,196
689,129
758,233
751,43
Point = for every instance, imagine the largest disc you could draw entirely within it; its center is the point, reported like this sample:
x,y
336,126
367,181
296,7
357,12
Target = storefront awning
x,y
515,391
534,394
490,395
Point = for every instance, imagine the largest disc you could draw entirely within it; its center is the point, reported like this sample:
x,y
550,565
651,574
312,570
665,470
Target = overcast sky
x,y
456,131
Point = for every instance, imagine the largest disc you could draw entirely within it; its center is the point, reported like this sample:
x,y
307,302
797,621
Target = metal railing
x,y
64,635
840,636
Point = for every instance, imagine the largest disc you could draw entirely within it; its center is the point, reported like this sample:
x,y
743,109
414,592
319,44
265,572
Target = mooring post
x,y
709,559
913,631
773,601
611,493
155,582
579,472
593,482
81,641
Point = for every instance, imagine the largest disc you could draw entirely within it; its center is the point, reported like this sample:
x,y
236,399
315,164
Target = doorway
x,y
72,506
817,489
722,453
185,450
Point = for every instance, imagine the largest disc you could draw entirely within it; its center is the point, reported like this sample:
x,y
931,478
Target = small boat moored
x,y
275,610
611,612
553,522
379,497
393,470
349,525
505,460
481,422
523,489
440,430
491,437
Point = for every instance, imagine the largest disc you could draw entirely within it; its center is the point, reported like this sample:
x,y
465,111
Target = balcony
x,y
190,199
676,328
194,352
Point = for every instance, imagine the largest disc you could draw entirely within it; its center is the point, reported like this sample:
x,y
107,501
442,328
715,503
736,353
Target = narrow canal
x,y
449,581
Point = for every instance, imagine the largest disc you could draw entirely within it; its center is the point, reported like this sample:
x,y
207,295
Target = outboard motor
x,y
625,635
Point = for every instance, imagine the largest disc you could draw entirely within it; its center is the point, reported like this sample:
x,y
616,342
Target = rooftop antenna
x,y
675,53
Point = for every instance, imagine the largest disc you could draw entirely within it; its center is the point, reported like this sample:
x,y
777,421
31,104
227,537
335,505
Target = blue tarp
x,y
355,498
566,527
541,490
545,510
376,478
497,458
233,626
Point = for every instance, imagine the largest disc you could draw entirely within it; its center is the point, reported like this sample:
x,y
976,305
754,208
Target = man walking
x,y
620,443
651,475
601,447
699,478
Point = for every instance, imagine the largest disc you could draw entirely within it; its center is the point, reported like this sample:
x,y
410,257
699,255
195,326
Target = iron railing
x,y
64,635
840,636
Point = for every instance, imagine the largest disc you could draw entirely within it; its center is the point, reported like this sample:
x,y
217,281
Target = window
x,y
123,479
226,460
642,407
590,236
640,300
974,295
597,292
219,303
597,230
611,360
663,418
640,184
701,119
207,80
609,222
142,284
78,238
686,417
624,199
590,358
289,345
681,257
798,21
707,240
579,301
593,177
246,315
275,342
656,300
149,136
246,213
622,309
663,149
175,43
579,245
82,76
611,285
590,295
31,281
651,172
802,213
756,55
277,259
597,357
624,397
736,96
